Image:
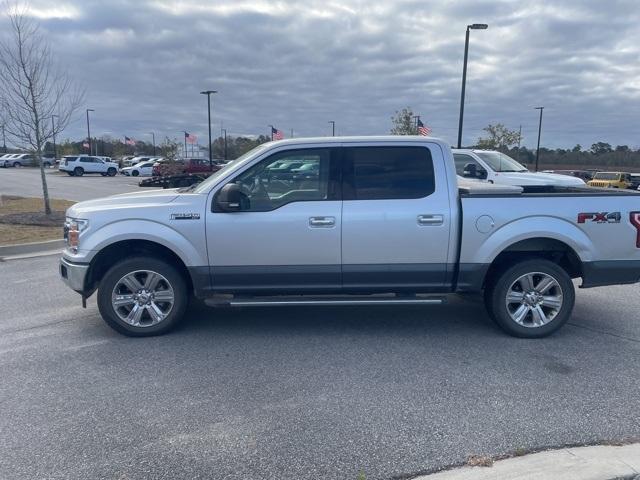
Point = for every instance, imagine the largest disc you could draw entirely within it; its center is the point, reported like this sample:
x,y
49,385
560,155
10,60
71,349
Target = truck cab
x,y
496,167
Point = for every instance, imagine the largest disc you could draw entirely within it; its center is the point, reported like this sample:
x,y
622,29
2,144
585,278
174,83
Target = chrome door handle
x,y
430,219
322,221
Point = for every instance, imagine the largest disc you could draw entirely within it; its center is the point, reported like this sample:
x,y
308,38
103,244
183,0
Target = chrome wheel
x,y
534,299
142,298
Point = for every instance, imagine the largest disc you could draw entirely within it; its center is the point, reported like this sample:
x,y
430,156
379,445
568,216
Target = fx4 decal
x,y
599,217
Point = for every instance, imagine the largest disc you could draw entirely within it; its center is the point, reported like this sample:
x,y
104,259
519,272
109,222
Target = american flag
x,y
190,138
129,141
276,134
423,129
85,144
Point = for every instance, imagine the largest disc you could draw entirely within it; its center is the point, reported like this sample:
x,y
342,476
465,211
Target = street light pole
x,y
53,131
208,94
89,130
475,26
153,136
224,131
333,128
4,141
539,132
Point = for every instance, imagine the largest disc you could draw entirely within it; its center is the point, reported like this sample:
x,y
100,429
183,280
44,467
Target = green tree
x,y
601,148
577,148
498,137
403,123
169,149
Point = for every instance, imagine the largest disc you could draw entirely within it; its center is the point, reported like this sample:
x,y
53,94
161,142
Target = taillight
x,y
635,221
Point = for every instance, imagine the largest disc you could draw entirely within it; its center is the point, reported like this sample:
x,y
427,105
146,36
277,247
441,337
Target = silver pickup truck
x,y
349,221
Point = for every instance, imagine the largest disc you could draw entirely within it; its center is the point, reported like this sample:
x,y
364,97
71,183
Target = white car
x,y
78,165
142,169
496,167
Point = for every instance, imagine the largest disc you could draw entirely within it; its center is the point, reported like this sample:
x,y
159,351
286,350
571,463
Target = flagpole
x,y
185,145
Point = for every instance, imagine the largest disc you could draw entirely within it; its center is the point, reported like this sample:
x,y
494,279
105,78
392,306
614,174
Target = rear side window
x,y
385,173
70,159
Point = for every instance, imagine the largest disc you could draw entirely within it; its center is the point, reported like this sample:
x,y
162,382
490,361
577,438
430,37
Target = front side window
x,y
384,173
462,160
267,187
86,159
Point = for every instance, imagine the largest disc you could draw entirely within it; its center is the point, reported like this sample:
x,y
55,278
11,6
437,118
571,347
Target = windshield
x,y
499,162
606,176
229,167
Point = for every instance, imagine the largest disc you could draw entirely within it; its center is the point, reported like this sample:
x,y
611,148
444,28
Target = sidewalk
x,y
580,463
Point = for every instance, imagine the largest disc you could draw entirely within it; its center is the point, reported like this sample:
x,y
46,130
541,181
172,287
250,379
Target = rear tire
x,y
78,172
154,288
530,299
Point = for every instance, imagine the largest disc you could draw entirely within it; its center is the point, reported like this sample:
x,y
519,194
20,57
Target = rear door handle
x,y
318,222
430,219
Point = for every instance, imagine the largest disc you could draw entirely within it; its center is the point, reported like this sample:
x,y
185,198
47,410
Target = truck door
x,y
395,218
286,235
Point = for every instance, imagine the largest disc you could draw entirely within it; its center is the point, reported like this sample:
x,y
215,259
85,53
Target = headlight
x,y
72,229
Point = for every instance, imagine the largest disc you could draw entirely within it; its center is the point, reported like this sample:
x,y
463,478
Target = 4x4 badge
x,y
599,217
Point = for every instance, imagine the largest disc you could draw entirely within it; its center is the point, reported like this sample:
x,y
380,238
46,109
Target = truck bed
x,y
484,189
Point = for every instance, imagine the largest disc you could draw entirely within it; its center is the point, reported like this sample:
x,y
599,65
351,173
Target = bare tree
x,y
33,89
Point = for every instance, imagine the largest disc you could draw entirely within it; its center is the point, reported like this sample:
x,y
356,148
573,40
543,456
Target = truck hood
x,y
135,199
537,178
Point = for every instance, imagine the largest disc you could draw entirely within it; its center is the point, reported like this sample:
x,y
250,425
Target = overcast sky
x,y
299,64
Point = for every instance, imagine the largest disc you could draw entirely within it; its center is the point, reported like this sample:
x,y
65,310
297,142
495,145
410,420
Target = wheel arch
x,y
547,248
110,254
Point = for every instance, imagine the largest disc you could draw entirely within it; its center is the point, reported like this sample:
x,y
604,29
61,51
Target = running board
x,y
319,301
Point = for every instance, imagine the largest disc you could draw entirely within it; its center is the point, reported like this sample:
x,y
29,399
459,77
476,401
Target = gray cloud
x,y
299,64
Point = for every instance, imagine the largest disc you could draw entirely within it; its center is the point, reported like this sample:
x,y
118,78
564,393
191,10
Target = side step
x,y
346,300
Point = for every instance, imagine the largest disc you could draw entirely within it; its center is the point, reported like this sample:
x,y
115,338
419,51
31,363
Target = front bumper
x,y
73,274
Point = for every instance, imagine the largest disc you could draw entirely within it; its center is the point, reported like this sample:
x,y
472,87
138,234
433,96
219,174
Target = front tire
x,y
530,299
112,172
17,165
142,297
135,173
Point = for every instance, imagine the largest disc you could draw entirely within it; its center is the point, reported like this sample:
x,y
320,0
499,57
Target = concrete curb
x,y
600,462
26,248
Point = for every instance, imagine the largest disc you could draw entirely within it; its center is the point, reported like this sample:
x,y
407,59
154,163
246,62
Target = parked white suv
x,y
78,165
496,167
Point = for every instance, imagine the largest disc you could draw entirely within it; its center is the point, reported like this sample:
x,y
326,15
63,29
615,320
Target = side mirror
x,y
470,170
229,198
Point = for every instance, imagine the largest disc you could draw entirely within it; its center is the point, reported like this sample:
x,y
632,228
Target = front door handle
x,y
430,219
325,222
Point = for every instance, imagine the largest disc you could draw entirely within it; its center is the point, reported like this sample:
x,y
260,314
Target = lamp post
x,y
53,132
333,127
475,26
153,136
208,94
539,132
89,130
4,140
224,132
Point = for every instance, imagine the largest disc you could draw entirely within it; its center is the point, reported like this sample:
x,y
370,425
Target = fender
x,y
191,250
533,227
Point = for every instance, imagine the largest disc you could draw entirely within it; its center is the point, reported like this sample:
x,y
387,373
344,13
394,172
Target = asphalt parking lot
x,y
300,393
26,182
